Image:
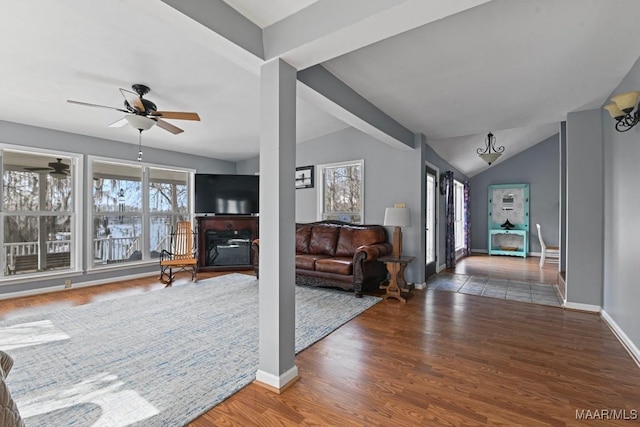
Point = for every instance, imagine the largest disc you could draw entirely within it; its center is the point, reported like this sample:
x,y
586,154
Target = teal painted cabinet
x,y
508,205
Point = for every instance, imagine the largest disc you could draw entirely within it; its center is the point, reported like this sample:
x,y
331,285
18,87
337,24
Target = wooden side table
x,y
397,283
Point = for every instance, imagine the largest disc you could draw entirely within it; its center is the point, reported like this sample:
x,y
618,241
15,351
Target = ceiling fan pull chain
x,y
140,145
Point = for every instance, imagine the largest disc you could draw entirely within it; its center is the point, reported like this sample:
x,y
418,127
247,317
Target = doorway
x,y
431,220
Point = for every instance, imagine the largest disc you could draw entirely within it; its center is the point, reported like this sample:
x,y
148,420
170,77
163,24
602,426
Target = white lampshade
x,y
627,100
614,111
490,157
140,122
398,217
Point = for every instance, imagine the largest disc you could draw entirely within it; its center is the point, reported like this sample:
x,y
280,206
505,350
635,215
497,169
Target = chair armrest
x,y
165,254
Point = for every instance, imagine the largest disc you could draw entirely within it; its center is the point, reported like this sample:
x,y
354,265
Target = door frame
x,y
433,167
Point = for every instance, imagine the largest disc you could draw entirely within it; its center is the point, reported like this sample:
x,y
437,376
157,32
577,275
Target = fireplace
x,y
225,248
224,242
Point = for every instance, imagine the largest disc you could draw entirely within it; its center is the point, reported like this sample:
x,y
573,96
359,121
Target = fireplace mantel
x,y
224,223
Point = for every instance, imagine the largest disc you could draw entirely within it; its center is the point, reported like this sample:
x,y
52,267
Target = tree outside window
x,y
342,191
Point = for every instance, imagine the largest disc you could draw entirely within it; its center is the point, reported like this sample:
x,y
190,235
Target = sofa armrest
x,y
373,252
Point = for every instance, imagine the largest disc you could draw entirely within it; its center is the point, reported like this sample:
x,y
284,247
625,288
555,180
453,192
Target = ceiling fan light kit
x,y
140,122
490,153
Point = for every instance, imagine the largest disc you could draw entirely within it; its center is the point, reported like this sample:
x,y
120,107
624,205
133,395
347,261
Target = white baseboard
x,y
622,337
277,382
420,286
441,267
75,285
582,307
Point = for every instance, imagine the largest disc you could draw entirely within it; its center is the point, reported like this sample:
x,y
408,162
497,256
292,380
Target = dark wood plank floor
x,y
442,358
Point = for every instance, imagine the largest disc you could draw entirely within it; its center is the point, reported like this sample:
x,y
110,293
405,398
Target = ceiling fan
x,y
141,113
56,169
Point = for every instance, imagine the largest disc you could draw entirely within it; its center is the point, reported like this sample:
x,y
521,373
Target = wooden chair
x,y
182,255
548,252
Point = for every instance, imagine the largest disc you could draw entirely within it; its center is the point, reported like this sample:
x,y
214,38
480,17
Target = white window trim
x,y
90,268
320,183
78,195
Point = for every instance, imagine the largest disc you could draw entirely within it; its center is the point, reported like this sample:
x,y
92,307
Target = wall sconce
x,y
621,108
490,153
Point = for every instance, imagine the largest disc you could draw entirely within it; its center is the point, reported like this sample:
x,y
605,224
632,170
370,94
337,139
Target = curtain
x,y
467,221
450,248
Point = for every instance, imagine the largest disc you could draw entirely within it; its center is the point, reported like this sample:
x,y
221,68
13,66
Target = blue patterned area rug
x,y
156,359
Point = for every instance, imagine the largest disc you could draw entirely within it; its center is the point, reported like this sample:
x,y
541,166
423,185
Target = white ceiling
x,y
514,67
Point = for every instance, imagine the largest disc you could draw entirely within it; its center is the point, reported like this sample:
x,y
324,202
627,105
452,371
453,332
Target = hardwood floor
x,y
442,358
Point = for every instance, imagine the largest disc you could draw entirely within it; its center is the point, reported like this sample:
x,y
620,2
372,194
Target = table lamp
x,y
398,216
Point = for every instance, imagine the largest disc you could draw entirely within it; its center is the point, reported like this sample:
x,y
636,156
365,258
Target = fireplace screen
x,y
229,247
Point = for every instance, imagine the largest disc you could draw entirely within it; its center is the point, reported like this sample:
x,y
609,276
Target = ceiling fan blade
x,y
169,127
120,123
177,115
133,99
86,104
38,169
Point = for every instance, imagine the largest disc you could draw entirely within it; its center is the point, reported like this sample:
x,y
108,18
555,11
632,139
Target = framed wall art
x,y
304,177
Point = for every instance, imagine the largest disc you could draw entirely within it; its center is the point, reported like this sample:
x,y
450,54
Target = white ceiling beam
x,y
222,29
329,28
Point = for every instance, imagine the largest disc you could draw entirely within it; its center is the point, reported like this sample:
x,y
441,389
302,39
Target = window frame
x,y
76,226
145,212
320,173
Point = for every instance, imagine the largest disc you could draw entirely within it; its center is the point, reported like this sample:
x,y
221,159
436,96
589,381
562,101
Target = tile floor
x,y
514,290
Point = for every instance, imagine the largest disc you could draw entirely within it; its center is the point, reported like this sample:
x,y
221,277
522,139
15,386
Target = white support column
x,y
277,367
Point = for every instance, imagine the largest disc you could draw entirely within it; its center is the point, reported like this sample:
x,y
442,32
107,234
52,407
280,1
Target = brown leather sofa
x,y
338,254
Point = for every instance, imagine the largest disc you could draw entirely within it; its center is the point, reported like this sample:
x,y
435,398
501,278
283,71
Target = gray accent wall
x,y
17,135
536,166
390,176
248,167
621,288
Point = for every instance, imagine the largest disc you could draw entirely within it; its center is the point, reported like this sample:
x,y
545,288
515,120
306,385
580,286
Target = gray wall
x,y
621,293
585,213
248,167
390,176
22,135
536,166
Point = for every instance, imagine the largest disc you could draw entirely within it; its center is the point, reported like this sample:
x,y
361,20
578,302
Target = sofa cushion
x,y
303,236
308,261
352,238
323,240
338,265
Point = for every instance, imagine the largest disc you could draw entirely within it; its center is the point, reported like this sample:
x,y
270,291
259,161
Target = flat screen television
x,y
226,194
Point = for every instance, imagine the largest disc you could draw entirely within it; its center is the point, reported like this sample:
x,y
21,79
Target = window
x,y
458,201
131,224
38,209
168,204
341,195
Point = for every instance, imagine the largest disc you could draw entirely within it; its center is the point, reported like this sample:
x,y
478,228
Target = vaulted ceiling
x,y
451,70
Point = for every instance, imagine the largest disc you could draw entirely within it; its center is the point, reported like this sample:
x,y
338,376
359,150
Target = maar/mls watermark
x,y
607,414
